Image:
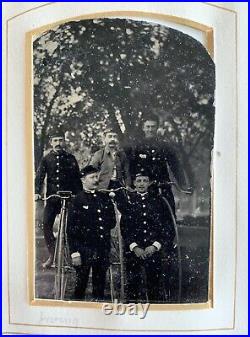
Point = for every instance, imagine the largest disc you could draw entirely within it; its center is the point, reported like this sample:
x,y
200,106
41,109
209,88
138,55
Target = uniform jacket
x,y
90,220
145,219
103,160
62,173
155,156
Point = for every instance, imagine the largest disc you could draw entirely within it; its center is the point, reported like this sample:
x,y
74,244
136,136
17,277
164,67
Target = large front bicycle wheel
x,y
59,259
178,250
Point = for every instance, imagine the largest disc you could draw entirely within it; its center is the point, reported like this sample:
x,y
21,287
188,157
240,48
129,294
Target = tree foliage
x,y
91,73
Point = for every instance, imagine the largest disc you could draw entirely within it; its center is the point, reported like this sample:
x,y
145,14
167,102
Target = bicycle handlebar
x,y
116,189
69,196
188,191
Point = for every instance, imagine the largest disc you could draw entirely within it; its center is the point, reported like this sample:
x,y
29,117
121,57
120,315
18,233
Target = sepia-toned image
x,y
123,114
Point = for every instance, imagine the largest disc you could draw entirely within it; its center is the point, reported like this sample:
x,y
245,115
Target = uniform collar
x,y
142,194
151,140
58,153
89,191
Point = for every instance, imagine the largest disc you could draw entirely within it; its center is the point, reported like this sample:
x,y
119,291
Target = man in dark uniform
x,y
63,174
90,220
155,155
146,228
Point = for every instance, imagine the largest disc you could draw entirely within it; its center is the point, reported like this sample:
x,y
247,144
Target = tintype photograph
x,y
123,114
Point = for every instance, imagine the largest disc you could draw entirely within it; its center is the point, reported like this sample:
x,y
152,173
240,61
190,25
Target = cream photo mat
x,y
21,315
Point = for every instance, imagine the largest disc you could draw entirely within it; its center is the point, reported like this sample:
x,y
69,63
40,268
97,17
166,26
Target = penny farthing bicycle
x,y
61,260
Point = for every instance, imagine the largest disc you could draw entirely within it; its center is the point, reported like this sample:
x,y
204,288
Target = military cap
x,y
56,133
89,169
109,129
151,117
142,172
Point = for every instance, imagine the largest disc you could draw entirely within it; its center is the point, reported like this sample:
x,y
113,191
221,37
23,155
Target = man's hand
x,y
150,250
139,252
37,197
112,195
76,261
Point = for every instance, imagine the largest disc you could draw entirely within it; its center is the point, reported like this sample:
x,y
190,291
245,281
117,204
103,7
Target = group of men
x,y
146,222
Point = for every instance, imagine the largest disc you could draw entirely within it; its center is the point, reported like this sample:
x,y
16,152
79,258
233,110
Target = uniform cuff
x,y
157,245
132,246
76,254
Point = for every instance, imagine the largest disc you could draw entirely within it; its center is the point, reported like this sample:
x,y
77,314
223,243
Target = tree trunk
x,y
45,126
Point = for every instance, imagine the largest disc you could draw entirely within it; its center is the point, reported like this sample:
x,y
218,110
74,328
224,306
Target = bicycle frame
x,y
60,255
